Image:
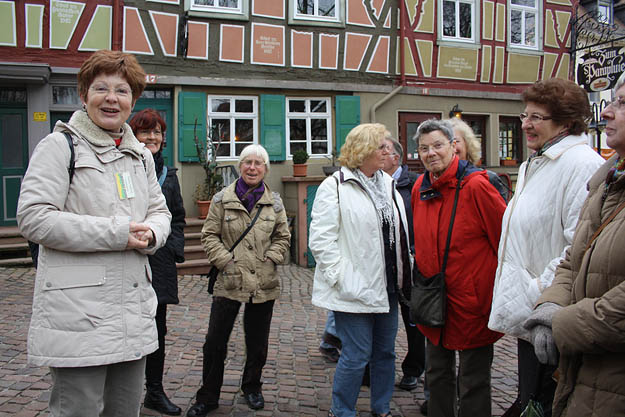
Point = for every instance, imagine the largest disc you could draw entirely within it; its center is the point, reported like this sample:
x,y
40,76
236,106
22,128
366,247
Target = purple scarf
x,y
249,196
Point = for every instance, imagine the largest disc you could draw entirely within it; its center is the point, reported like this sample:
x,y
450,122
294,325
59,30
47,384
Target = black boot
x,y
155,399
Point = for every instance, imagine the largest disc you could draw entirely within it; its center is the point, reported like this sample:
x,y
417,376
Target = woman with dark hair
x,y
149,127
540,219
582,313
93,303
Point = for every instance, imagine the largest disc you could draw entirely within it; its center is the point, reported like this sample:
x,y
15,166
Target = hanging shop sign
x,y
599,69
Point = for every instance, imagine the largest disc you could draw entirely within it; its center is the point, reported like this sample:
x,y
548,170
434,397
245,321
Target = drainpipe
x,y
382,101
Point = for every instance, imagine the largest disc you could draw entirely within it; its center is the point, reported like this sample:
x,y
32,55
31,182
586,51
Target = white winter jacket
x,y
537,229
93,302
346,240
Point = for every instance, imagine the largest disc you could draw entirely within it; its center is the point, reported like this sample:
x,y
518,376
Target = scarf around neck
x,y
377,191
249,196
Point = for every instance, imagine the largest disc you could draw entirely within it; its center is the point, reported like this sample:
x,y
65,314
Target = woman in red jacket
x,y
469,275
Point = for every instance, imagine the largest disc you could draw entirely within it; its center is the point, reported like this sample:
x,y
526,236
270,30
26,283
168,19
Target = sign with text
x,y
599,69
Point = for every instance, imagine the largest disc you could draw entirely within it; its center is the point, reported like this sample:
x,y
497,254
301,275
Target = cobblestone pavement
x,y
297,380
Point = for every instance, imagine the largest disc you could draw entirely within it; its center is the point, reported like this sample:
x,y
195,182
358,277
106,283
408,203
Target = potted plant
x,y
508,162
330,169
300,157
213,181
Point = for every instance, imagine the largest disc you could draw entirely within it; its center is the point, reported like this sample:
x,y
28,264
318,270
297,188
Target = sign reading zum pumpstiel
x,y
600,68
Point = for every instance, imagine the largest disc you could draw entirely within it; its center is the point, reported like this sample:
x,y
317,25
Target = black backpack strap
x,y
72,158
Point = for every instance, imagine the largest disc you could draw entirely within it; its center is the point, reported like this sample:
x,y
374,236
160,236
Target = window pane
x,y
297,129
319,148
229,3
297,106
65,95
528,3
318,129
145,94
317,106
465,20
11,140
163,94
205,2
243,106
223,149
12,95
220,105
220,129
327,8
530,29
515,26
296,146
449,18
306,6
238,147
244,130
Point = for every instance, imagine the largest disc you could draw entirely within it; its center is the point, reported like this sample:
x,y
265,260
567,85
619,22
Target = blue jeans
x,y
331,329
367,338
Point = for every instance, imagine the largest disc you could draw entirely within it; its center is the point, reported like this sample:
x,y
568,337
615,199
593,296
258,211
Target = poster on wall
x,y
599,69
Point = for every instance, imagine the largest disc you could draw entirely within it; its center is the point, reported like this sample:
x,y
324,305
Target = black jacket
x,y
404,186
163,262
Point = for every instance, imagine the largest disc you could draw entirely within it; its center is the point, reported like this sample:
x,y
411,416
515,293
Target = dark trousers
x,y
471,397
414,362
256,324
155,361
530,373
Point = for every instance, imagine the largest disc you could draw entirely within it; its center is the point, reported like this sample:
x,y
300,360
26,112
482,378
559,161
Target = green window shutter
x,y
347,117
191,106
272,126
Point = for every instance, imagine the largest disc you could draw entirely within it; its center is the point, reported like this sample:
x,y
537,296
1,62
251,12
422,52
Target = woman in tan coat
x,y
247,276
583,312
93,304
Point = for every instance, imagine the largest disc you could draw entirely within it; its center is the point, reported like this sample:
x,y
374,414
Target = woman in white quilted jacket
x,y
540,220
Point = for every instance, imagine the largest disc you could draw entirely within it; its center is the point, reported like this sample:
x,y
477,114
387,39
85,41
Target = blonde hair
x,y
360,143
256,150
471,142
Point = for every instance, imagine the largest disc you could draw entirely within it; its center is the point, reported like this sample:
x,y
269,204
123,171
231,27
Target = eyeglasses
x,y
149,132
617,103
534,117
103,90
436,146
384,148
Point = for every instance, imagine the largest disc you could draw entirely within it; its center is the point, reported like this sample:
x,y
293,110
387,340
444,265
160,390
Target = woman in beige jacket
x,y
247,276
94,306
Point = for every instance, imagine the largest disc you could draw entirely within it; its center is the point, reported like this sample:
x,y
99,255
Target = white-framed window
x,y
523,23
221,6
330,11
457,20
232,123
604,11
225,9
308,125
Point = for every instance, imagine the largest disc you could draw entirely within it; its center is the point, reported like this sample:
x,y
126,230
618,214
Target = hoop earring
x,y
84,106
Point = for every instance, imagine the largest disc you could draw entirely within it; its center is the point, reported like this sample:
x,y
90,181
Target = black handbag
x,y
213,272
428,295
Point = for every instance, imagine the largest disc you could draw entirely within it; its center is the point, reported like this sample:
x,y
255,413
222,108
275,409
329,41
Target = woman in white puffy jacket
x,y
540,220
359,238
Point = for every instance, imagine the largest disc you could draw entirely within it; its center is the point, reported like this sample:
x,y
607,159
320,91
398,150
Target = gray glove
x,y
541,335
544,346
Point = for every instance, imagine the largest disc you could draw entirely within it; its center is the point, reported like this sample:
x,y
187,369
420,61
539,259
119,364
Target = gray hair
x,y
432,125
255,150
397,148
620,82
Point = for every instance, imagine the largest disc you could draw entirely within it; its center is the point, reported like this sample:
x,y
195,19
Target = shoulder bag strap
x,y
246,230
604,224
161,179
451,222
72,161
